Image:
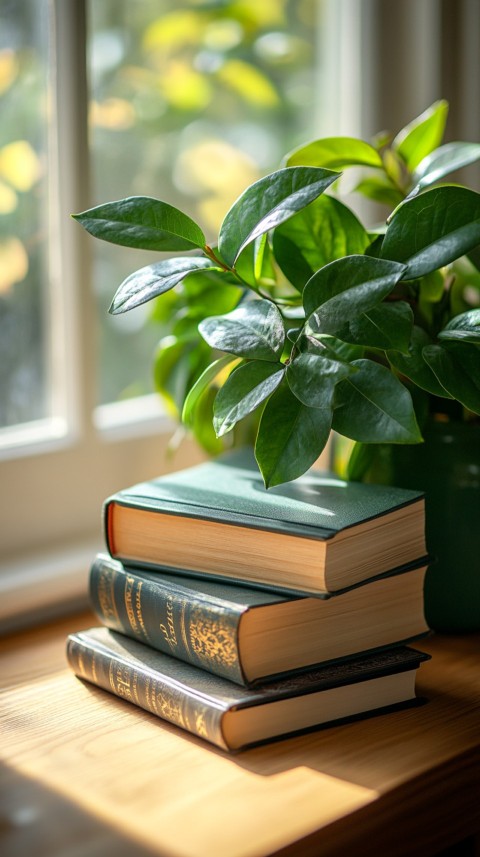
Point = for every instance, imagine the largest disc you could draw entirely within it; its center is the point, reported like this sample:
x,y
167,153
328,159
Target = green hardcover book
x,y
318,534
230,716
247,635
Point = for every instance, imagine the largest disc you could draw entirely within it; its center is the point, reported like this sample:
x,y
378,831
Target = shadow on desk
x,y
35,820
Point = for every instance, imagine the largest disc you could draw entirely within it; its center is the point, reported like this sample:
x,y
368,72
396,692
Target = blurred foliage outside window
x,y
190,102
23,205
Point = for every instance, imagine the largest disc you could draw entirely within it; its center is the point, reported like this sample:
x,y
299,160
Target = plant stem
x,y
211,255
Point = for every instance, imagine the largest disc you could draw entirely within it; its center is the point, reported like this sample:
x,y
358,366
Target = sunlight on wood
x,y
124,779
156,787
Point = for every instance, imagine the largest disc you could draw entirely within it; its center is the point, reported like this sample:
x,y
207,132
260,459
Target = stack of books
x,y
242,614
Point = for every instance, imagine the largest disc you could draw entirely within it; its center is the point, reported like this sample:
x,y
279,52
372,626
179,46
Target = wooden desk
x,y
86,774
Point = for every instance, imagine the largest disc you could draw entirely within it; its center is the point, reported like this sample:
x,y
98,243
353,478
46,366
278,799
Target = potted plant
x,y
303,317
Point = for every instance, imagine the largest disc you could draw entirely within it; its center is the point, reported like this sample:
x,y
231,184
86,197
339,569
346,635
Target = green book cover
x,y
217,519
230,716
230,489
248,635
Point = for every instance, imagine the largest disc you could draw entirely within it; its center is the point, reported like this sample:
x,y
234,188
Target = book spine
x,y
200,632
144,688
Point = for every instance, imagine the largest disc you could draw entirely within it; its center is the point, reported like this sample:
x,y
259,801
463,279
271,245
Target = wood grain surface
x,y
85,773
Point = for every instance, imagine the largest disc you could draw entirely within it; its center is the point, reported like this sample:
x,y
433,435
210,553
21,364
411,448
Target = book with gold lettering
x,y
233,717
248,635
315,535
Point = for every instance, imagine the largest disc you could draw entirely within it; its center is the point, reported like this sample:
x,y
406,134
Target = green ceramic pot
x,y
447,467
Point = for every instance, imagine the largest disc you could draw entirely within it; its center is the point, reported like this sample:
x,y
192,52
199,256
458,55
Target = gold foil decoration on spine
x,y
213,640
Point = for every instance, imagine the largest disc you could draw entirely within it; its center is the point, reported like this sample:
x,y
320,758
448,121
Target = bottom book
x,y
233,717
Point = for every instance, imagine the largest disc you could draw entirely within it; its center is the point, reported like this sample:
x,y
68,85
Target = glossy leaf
x,y
335,153
374,407
312,378
243,391
254,330
387,326
142,222
457,368
413,364
201,384
421,136
464,328
433,229
324,231
349,315
290,437
155,280
370,278
267,203
441,162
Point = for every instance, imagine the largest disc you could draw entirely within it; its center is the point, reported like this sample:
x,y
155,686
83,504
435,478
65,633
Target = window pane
x,y
190,103
24,394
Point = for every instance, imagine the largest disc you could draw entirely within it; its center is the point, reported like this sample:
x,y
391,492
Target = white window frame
x,y
55,473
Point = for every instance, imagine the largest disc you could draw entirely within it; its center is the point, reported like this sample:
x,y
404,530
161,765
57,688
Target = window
x,y
189,102
23,147
173,87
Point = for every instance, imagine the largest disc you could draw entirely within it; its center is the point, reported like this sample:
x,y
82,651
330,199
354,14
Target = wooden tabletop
x,y
85,773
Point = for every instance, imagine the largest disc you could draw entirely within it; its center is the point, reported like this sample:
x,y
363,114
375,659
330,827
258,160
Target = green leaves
x,y
201,385
343,300
312,378
463,328
324,231
433,229
374,407
441,162
290,437
245,389
361,294
154,280
380,189
335,153
458,371
372,279
178,362
422,135
267,203
414,366
142,222
254,330
387,326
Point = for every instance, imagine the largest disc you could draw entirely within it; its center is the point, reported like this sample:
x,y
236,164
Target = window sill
x,y
39,586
